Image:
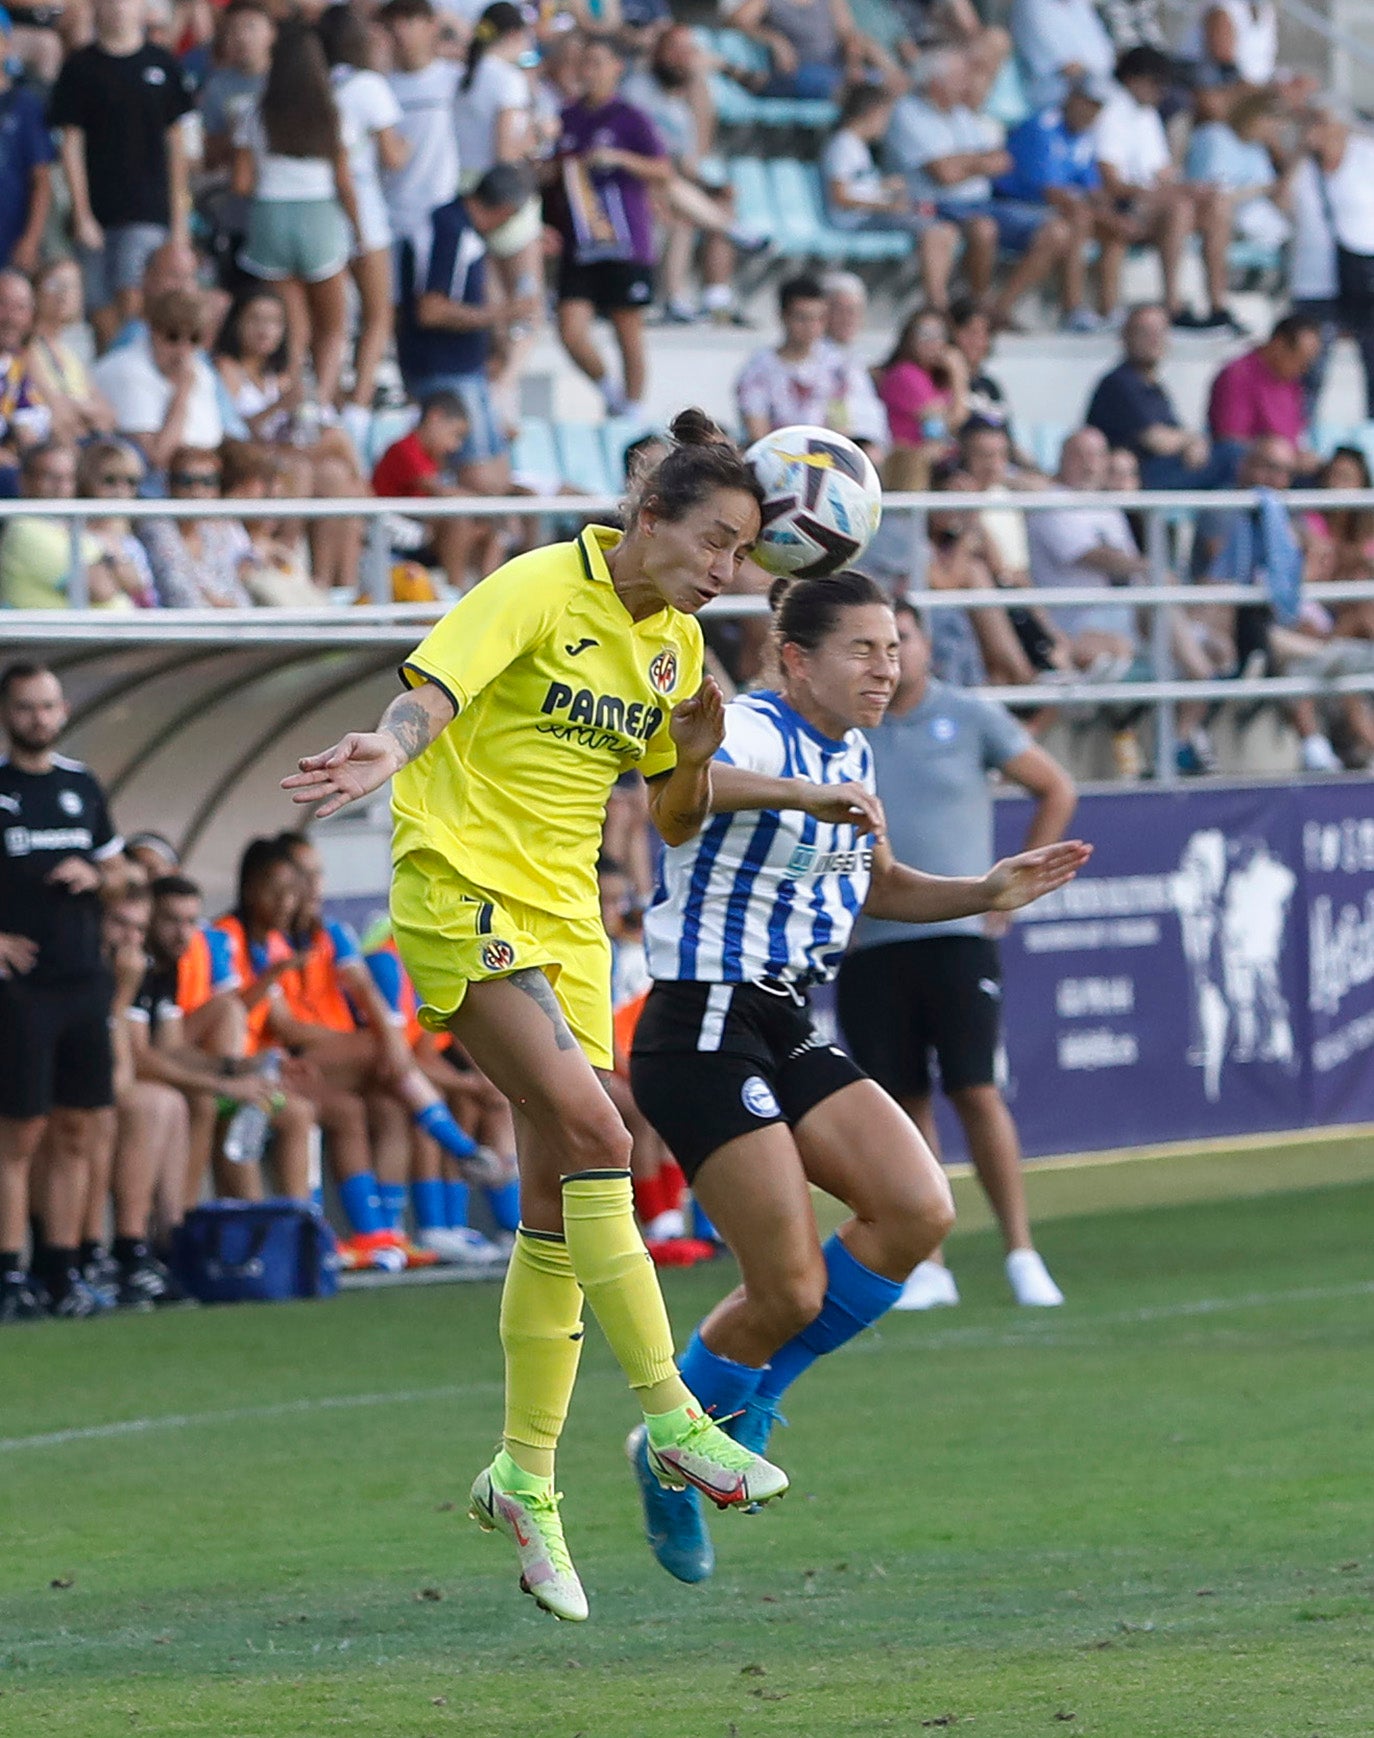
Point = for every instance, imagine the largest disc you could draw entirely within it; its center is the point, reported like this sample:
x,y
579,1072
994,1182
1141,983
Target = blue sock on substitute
x,y
455,1204
317,1197
393,1200
505,1205
855,1297
702,1226
361,1205
427,1203
721,1386
437,1121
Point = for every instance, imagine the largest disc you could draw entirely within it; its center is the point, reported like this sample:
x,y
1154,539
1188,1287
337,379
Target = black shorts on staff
x,y
712,1062
902,1000
608,284
55,1051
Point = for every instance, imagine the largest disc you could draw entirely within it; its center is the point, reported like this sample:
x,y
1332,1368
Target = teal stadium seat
x,y
804,230
582,458
737,107
534,454
386,428
754,207
1008,101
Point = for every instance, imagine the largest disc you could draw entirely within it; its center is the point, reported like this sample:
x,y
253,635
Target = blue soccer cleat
x,y
752,1428
674,1523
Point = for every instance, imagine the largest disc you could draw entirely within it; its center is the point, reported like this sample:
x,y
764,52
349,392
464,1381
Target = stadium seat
x,y
802,228
534,455
616,434
387,427
1008,101
737,107
1327,436
582,461
1045,441
754,208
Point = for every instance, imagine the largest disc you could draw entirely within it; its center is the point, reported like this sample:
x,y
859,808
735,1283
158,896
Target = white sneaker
x,y
1030,1280
460,1246
1319,756
930,1287
666,1225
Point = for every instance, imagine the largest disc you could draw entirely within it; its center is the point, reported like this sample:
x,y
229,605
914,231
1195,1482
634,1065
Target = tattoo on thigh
x,y
538,988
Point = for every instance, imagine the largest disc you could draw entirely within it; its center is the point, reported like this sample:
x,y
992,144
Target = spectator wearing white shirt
x,y
1152,204
1059,43
370,119
859,196
846,303
804,379
1332,198
1088,546
948,155
161,387
1233,42
425,86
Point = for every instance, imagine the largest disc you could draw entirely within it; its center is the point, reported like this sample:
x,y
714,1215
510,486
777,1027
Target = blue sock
x,y
358,1196
855,1296
455,1204
722,1386
702,1226
505,1205
427,1203
437,1120
393,1199
317,1197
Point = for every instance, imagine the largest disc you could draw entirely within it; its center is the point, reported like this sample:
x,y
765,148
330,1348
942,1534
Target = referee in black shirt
x,y
57,849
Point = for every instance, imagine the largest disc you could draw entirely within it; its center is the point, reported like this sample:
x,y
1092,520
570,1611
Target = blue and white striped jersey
x,y
765,893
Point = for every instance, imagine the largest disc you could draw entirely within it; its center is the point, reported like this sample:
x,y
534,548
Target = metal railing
x,y
382,622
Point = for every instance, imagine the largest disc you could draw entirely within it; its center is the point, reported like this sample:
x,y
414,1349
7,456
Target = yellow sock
x,y
541,1331
615,1271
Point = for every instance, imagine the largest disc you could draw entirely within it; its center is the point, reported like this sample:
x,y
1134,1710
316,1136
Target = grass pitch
x,y
1150,1513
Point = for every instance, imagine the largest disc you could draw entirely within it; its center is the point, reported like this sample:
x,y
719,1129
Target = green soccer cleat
x,y
705,1459
546,1571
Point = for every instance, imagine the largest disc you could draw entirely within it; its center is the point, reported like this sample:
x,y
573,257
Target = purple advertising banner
x,y
1338,875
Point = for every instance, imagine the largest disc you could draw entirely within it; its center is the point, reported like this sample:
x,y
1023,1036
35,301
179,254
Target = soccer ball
x,y
821,501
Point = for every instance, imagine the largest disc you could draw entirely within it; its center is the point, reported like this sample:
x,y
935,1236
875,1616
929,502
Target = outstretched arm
x,y
364,760
680,800
848,805
905,895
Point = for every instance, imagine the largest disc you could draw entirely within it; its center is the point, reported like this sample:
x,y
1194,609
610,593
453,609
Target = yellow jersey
x,y
557,692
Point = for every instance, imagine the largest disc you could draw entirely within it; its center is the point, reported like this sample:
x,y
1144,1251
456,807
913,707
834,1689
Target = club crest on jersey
x,y
663,672
497,956
756,1095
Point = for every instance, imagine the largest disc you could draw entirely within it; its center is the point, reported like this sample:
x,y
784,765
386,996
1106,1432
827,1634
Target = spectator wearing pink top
x,y
1261,392
924,383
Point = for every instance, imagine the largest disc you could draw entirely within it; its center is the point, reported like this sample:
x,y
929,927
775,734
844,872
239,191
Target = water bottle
x,y
246,1137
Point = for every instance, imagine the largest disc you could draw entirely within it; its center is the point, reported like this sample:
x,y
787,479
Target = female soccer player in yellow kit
x,y
565,668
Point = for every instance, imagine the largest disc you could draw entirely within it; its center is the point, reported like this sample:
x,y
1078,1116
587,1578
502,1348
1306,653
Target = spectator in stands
x,y
859,197
251,362
814,46
923,383
1350,532
928,24
906,992
425,84
369,121
1133,409
804,379
1233,42
609,156
1241,153
242,55
118,103
1333,198
949,155
846,303
971,333
24,416
161,387
1138,174
422,465
77,407
111,470
985,456
1135,24
1060,43
175,266
1261,392
291,163
36,556
1054,164
25,170
58,852
198,563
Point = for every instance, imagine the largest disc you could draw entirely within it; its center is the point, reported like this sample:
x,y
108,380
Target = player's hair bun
x,y
778,591
693,428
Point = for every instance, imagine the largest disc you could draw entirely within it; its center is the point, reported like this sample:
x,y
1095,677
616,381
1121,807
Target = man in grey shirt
x,y
904,990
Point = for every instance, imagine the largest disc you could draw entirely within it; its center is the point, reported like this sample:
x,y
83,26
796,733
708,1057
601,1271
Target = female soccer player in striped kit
x,y
565,668
727,1065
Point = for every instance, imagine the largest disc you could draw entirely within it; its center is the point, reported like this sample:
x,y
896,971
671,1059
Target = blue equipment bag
x,y
256,1252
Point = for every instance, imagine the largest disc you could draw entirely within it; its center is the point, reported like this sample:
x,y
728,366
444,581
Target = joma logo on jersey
x,y
663,672
607,713
807,860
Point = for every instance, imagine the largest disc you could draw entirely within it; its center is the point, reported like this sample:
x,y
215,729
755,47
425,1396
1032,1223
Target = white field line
x,y
951,1336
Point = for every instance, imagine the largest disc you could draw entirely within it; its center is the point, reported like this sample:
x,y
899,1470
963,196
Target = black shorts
x,y
712,1062
607,284
900,1001
55,1047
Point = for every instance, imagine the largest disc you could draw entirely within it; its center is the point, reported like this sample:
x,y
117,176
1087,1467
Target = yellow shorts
x,y
451,933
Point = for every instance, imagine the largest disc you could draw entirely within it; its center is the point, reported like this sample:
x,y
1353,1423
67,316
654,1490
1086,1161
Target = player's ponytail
x,y
805,611
701,460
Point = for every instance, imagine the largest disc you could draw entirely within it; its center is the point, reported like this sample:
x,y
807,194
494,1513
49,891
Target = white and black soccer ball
x,y
821,501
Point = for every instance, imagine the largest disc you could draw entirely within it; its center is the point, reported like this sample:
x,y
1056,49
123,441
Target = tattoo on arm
x,y
409,725
538,988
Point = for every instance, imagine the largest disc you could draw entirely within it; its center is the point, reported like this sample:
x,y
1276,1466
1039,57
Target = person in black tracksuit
x,y
57,847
